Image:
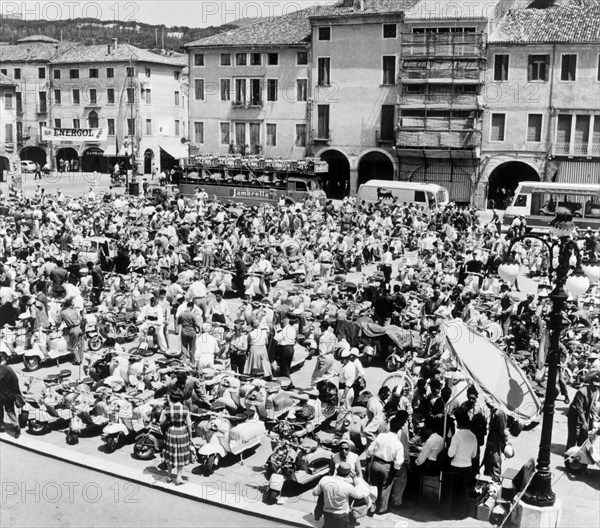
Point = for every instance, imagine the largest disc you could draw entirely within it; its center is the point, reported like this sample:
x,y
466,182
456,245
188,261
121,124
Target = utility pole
x,y
132,126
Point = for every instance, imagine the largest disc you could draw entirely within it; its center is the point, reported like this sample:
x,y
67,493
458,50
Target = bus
x,y
428,195
253,180
540,202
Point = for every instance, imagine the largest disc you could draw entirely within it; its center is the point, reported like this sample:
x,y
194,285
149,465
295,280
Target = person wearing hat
x,y
584,411
177,451
335,493
73,322
238,346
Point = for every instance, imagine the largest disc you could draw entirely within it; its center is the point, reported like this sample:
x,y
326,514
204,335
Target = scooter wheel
x,y
112,442
272,496
72,438
212,463
95,343
575,466
143,451
35,427
392,364
31,363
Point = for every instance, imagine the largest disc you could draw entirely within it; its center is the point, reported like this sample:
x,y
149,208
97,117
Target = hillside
x,y
94,31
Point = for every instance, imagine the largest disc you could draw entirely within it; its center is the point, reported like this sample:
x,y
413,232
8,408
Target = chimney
x,y
108,49
115,43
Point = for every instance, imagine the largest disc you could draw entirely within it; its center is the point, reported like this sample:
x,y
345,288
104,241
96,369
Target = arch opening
x,y
336,182
67,159
375,166
36,154
503,182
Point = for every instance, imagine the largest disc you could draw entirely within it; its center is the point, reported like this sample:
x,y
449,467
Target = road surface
x,y
38,491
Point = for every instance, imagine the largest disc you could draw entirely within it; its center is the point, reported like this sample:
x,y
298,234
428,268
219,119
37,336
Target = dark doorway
x,y
67,154
93,160
148,161
337,181
504,180
375,166
35,154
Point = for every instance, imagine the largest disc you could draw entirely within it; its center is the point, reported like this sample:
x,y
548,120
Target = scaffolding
x,y
439,107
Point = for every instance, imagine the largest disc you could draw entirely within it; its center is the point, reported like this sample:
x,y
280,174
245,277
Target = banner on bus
x,y
78,135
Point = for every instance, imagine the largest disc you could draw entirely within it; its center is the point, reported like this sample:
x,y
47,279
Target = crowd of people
x,y
279,275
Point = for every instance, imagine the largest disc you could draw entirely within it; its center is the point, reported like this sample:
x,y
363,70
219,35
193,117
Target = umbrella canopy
x,y
495,375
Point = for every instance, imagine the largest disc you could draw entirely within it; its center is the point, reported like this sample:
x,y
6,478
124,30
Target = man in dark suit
x,y
582,412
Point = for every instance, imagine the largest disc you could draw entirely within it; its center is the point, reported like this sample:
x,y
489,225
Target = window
x,y
323,71
74,74
225,137
17,74
111,126
255,59
582,134
9,133
57,97
110,95
8,101
272,87
19,131
148,96
93,73
148,72
43,102
272,59
563,132
324,33
497,129
198,59
390,31
199,89
3,71
41,73
76,123
414,88
255,92
19,102
41,125
537,69
131,127
130,71
225,89
300,135
598,74
148,127
469,88
110,72
500,67
240,91
271,135
302,90
387,123
198,132
568,67
323,121
254,135
241,59
76,97
176,75
130,95
389,69
225,59
58,123
534,128
56,74
302,58
93,96
240,133
177,129
93,119
176,94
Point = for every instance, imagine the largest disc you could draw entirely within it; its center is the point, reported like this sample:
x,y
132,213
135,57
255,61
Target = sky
x,y
192,13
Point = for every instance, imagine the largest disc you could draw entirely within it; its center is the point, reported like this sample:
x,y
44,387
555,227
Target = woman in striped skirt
x,y
177,452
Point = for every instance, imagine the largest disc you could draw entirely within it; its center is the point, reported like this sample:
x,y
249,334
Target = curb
x,y
209,493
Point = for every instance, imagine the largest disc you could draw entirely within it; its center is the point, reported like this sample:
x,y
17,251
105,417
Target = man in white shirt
x,y
286,340
207,347
386,264
347,379
387,456
433,446
463,453
152,315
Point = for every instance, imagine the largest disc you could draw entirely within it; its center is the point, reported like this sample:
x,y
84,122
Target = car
x,y
27,166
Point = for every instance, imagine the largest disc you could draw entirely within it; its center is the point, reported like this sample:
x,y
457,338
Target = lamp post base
x,y
528,516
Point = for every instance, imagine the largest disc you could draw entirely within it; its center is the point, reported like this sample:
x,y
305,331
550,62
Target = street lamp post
x,y
539,492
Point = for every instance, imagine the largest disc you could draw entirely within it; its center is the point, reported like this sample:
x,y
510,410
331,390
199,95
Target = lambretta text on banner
x,y
79,135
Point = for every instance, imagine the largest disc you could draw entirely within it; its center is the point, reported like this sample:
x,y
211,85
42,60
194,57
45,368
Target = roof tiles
x,y
122,53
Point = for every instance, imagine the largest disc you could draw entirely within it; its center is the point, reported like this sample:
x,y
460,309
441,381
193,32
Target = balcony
x,y
576,149
440,100
387,138
418,75
440,134
257,103
321,136
443,44
41,110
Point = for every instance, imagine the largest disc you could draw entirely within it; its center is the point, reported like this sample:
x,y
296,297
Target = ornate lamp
x,y
591,267
577,283
509,270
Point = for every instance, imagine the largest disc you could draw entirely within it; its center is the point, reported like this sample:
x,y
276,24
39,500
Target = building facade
x,y
249,89
8,126
542,118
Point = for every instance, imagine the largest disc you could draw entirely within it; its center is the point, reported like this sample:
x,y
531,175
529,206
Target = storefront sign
x,y
251,193
79,135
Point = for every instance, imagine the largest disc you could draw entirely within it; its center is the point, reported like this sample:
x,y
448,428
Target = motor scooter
x,y
151,440
90,414
53,407
47,344
578,458
216,439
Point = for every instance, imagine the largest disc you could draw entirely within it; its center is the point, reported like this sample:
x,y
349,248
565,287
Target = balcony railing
x,y
41,109
440,98
411,73
247,104
446,123
443,44
387,138
576,149
437,139
321,136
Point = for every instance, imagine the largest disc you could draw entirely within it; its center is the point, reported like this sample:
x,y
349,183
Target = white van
x,y
428,195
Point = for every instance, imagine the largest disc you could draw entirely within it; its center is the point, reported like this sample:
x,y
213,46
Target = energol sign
x,y
80,135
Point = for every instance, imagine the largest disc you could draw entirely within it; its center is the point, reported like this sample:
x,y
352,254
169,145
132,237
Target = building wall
x,y
518,97
8,118
356,92
285,113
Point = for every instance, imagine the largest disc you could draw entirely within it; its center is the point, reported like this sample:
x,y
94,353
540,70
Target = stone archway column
x,y
353,160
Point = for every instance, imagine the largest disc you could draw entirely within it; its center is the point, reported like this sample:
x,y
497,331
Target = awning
x,y
496,376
